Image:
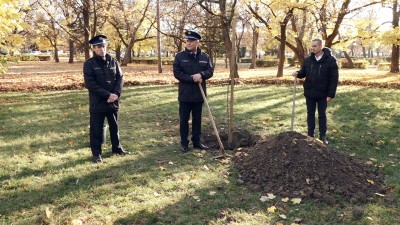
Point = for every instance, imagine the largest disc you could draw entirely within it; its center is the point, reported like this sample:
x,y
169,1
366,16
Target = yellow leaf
x,y
271,209
264,198
285,199
271,196
48,212
283,216
334,131
70,142
296,200
76,222
371,181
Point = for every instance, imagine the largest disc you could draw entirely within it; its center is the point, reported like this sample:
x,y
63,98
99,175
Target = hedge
x,y
267,63
357,64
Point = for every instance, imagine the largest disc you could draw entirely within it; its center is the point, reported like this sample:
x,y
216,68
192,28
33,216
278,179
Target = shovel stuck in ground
x,y
221,146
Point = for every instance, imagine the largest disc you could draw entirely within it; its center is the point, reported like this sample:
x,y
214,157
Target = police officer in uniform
x,y
103,79
191,67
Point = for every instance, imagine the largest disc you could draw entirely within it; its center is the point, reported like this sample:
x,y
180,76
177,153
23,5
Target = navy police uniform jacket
x,y
321,76
102,77
186,65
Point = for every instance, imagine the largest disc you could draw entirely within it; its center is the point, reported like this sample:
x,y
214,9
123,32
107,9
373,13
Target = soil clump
x,y
293,165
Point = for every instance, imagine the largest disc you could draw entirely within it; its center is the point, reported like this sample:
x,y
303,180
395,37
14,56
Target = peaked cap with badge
x,y
191,35
99,40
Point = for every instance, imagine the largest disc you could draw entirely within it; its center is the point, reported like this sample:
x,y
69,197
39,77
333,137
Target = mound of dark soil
x,y
293,165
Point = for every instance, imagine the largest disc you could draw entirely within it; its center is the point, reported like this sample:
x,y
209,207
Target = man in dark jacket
x,y
103,79
191,67
321,72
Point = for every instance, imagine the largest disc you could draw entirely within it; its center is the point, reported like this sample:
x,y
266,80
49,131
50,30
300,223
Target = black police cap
x,y
191,35
99,40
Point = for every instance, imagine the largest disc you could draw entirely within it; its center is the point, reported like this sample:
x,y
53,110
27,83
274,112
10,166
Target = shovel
x,y
221,146
294,103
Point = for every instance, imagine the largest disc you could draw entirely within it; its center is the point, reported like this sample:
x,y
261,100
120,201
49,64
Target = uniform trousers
x,y
311,108
96,131
184,114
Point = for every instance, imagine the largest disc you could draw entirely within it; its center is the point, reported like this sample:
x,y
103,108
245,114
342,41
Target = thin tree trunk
x,y
86,25
158,39
394,65
254,47
71,50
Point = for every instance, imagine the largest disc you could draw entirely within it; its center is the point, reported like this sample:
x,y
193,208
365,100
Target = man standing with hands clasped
x,y
321,72
191,67
103,79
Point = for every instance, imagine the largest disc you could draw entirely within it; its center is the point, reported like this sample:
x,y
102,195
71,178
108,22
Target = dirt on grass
x,y
293,165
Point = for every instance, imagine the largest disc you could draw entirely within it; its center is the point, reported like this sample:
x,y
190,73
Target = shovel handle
x,y
221,146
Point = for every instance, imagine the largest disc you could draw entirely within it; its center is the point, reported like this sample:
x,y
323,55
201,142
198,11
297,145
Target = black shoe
x,y
97,159
323,139
200,146
121,152
184,148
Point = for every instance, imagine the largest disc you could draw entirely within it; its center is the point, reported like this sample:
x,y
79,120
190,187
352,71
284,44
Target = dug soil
x,y
293,165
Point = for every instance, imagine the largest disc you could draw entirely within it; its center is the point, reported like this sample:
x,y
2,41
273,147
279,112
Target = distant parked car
x,y
34,52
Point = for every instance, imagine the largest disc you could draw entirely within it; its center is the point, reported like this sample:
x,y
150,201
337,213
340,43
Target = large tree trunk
x,y
349,61
56,58
282,51
71,50
254,47
118,53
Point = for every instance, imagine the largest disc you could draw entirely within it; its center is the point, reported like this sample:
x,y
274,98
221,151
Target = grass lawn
x,y
46,176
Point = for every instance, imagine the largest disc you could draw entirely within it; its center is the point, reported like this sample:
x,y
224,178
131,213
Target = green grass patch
x,y
46,175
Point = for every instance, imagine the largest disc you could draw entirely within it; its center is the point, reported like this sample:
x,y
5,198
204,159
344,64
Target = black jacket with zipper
x,y
321,76
102,77
186,65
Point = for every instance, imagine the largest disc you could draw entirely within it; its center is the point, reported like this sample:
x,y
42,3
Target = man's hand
x,y
329,99
112,98
197,78
295,73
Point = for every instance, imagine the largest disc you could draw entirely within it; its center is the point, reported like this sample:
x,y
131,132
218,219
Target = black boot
x,y
200,146
322,138
184,148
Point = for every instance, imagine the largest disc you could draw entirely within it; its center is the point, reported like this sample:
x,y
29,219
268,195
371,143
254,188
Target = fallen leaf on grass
x,y
162,168
212,192
371,181
197,198
283,216
393,141
48,212
206,167
353,154
334,131
285,199
156,194
379,194
70,142
271,196
264,198
296,200
271,209
171,163
76,222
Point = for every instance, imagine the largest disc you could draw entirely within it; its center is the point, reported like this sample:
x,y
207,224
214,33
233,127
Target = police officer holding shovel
x,y
103,79
191,67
